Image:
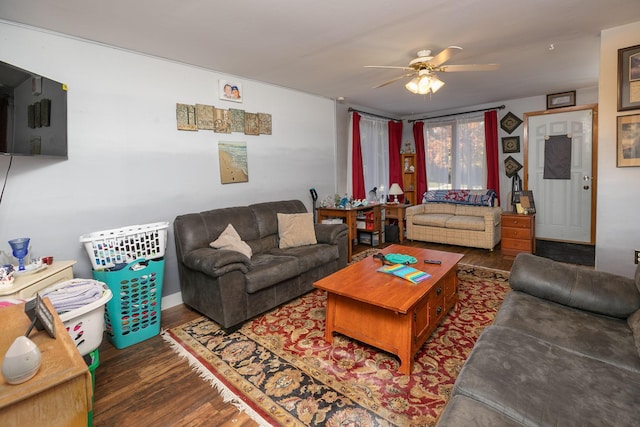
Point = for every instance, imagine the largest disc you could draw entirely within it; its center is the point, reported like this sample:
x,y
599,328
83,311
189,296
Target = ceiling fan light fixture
x,y
424,84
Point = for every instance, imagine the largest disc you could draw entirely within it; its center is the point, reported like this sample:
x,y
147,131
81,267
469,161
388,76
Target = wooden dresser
x,y
60,393
518,234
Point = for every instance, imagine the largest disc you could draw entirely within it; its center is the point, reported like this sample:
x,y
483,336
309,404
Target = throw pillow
x,y
230,240
296,230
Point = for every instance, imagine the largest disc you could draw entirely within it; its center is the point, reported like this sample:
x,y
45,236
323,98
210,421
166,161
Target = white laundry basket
x,y
85,324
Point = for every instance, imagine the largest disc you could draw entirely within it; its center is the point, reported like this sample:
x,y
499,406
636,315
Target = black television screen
x,y
33,113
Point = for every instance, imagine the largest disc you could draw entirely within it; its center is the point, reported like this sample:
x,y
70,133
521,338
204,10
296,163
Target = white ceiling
x,y
321,47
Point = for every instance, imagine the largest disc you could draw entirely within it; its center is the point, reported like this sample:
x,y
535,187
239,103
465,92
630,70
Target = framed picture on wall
x,y
230,91
562,99
628,141
629,78
511,144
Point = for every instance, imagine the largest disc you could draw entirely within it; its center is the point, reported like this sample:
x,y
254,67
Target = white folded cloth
x,y
76,294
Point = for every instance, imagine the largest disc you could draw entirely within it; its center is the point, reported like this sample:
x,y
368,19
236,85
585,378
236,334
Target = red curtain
x,y
421,164
395,143
491,142
357,171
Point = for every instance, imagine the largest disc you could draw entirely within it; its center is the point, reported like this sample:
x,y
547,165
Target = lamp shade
x,y
395,189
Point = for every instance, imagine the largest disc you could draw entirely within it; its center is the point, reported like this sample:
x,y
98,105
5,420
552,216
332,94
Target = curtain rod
x,y
374,115
499,107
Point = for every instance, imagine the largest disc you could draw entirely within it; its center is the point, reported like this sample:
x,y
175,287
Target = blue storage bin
x,y
133,314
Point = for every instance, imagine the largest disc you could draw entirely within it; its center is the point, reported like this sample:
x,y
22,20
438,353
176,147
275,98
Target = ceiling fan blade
x,y
388,82
470,67
444,56
388,66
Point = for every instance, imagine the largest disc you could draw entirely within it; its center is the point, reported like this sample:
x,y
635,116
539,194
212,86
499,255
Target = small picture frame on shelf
x,y
562,99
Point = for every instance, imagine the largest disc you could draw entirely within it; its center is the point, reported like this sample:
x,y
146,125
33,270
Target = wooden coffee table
x,y
389,312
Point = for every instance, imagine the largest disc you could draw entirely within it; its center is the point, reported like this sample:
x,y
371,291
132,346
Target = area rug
x,y
279,369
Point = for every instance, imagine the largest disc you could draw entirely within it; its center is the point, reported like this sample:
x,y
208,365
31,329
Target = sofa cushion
x,y
463,222
230,240
464,411
268,270
438,208
605,338
432,220
310,256
296,230
537,383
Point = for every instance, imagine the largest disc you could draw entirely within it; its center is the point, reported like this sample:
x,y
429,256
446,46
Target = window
x,y
374,140
455,153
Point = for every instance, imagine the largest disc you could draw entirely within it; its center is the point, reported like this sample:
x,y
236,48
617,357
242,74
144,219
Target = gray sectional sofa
x,y
564,350
230,287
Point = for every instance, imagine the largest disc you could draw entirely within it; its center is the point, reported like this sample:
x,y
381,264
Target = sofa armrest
x,y
330,233
596,291
216,262
414,210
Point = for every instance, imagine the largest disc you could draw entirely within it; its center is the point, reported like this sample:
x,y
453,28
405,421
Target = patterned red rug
x,y
280,370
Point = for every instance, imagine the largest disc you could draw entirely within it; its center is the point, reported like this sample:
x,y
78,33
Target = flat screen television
x,y
33,113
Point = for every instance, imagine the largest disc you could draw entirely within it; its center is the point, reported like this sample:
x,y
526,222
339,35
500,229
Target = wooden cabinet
x,y
27,285
60,393
398,213
428,312
408,165
518,234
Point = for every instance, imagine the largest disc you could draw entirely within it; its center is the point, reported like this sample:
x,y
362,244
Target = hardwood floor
x,y
147,384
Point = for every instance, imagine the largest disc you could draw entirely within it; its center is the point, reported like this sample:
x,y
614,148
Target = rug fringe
x,y
227,395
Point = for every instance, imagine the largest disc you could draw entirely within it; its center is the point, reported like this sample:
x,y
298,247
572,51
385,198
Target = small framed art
x,y
230,91
562,99
628,141
511,144
629,78
510,122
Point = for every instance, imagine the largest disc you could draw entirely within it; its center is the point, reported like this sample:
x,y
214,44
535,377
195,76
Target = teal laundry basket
x,y
133,314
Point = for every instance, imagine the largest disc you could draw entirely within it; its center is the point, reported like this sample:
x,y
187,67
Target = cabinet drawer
x,y
436,304
520,245
516,233
520,221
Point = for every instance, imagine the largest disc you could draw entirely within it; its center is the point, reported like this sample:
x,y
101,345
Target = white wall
x,y
618,229
127,162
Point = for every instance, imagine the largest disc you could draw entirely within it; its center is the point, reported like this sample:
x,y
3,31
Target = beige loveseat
x,y
454,222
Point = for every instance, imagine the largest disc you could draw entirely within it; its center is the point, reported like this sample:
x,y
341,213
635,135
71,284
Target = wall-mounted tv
x,y
33,113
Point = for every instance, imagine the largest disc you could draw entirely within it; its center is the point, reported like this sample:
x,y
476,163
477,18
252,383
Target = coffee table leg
x,y
330,318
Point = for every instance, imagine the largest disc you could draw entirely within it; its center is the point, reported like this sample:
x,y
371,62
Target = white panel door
x,y
563,206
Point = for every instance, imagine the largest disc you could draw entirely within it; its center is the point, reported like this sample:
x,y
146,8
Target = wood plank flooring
x,y
147,384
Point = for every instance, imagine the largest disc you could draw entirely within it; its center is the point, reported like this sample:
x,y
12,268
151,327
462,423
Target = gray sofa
x,y
230,288
563,351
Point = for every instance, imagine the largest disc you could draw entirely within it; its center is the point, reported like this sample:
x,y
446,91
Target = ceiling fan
x,y
423,69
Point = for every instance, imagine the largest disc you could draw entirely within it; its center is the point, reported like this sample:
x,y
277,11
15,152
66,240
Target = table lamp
x,y
394,191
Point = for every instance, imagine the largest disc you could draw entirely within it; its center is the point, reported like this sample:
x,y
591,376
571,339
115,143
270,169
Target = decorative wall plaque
x,y
511,144
510,122
186,117
204,116
251,124
222,121
264,123
237,120
511,166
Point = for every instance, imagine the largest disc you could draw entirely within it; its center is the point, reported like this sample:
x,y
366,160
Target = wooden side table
x,y
518,233
60,392
396,211
349,217
27,285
